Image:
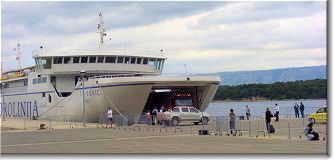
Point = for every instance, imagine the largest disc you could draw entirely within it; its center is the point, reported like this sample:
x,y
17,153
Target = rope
x,y
56,104
110,101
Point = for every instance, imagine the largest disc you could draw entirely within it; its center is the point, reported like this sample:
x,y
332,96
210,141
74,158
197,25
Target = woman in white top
x,y
109,117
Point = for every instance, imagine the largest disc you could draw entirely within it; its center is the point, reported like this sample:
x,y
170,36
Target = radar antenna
x,y
101,29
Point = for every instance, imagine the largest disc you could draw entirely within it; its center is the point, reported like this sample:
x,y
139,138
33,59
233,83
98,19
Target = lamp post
x,y
3,101
82,73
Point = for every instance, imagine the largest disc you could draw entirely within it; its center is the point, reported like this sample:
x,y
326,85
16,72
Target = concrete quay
x,y
159,139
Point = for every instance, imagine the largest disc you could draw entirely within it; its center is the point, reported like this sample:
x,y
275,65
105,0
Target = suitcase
x,y
271,129
203,132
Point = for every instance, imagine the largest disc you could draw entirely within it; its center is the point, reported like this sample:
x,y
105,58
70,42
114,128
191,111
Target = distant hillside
x,y
310,89
272,76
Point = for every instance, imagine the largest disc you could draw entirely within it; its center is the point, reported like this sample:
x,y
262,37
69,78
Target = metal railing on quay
x,y
143,125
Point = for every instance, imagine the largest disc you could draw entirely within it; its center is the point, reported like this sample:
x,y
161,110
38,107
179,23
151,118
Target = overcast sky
x,y
207,36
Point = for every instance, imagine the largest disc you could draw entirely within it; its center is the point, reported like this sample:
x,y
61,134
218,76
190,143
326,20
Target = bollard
x,y
258,127
24,124
289,129
178,129
134,128
163,127
249,129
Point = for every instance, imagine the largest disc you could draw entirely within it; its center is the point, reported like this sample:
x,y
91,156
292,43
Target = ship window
x,y
43,79
44,63
100,59
120,59
145,61
138,60
57,60
67,60
43,94
133,61
151,62
162,64
39,80
84,59
127,60
25,83
158,65
76,59
34,81
110,59
92,59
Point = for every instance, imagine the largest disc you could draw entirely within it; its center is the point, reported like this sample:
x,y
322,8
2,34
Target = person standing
x,y
276,112
269,115
155,114
247,112
296,107
302,108
109,117
232,120
148,117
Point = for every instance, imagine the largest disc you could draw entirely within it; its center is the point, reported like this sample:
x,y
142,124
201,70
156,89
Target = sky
x,y
208,37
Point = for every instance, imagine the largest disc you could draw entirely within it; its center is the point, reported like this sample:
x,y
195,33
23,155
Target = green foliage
x,y
310,89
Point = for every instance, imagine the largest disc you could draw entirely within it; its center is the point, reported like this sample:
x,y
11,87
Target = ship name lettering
x,y
19,109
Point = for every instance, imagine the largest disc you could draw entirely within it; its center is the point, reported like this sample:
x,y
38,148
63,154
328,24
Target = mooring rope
x,y
110,101
56,104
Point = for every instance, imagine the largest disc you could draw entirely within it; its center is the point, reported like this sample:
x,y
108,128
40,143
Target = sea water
x,y
258,107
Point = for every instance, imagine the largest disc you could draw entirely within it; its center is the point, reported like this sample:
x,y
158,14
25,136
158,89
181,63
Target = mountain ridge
x,y
272,75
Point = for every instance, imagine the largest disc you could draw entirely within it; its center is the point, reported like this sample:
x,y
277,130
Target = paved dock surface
x,y
118,140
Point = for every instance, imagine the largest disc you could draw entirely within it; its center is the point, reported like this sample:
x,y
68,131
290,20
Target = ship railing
x,y
117,75
190,74
119,51
11,90
139,125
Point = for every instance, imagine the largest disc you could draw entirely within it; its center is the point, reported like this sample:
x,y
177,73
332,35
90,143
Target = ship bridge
x,y
98,62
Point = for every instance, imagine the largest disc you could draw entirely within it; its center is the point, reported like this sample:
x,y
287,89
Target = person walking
x,y
302,108
232,120
276,112
247,112
296,107
269,115
109,117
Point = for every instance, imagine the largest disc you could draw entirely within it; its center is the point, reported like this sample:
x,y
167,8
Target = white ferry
x,y
83,84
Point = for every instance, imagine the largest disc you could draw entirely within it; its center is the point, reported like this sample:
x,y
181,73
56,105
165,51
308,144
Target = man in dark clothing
x,y
269,115
296,107
302,107
155,114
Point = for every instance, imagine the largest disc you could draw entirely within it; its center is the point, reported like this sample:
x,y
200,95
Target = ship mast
x,y
18,55
101,29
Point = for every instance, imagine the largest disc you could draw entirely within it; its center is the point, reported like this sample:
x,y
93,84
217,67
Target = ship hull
x,y
125,95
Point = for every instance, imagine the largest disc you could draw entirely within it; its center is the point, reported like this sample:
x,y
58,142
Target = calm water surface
x,y
258,108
